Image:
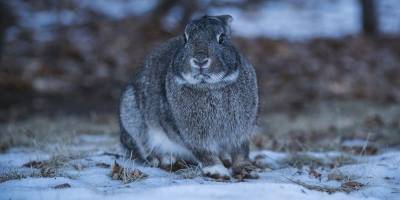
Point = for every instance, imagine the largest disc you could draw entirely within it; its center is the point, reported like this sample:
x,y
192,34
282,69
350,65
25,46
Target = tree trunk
x,y
369,17
6,20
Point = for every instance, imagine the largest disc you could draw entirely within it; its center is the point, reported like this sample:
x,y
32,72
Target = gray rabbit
x,y
195,100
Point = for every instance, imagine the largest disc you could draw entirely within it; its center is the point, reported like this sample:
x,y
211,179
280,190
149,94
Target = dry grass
x,y
348,186
16,175
50,168
53,166
39,132
327,124
54,162
303,132
58,136
298,160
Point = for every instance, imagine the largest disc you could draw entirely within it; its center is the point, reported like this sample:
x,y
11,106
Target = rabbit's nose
x,y
204,63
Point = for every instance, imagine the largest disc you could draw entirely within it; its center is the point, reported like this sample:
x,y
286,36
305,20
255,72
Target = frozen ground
x,y
87,160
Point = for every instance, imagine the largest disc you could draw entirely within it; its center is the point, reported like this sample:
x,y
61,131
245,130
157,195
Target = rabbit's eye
x,y
221,38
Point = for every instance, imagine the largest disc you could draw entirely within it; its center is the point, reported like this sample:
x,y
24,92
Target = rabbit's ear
x,y
227,19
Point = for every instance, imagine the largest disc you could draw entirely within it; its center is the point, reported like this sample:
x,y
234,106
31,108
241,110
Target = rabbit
x,y
195,99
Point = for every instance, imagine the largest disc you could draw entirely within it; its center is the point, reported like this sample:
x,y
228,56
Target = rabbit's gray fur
x,y
174,109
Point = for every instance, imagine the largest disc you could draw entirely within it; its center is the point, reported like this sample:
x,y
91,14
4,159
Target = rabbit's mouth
x,y
209,78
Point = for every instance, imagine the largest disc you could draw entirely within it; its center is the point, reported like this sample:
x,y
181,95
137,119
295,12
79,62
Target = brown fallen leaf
x,y
125,175
350,186
314,174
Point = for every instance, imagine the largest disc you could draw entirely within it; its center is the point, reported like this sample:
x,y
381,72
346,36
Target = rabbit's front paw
x,y
170,163
217,171
244,169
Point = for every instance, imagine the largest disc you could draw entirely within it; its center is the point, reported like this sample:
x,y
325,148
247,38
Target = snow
x,y
118,8
389,16
278,19
309,19
251,190
380,174
285,19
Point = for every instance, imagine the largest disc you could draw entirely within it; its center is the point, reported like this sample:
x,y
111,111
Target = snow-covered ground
x,y
87,174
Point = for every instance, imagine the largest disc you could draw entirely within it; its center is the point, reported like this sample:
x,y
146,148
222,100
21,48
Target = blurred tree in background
x,y
369,17
6,20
